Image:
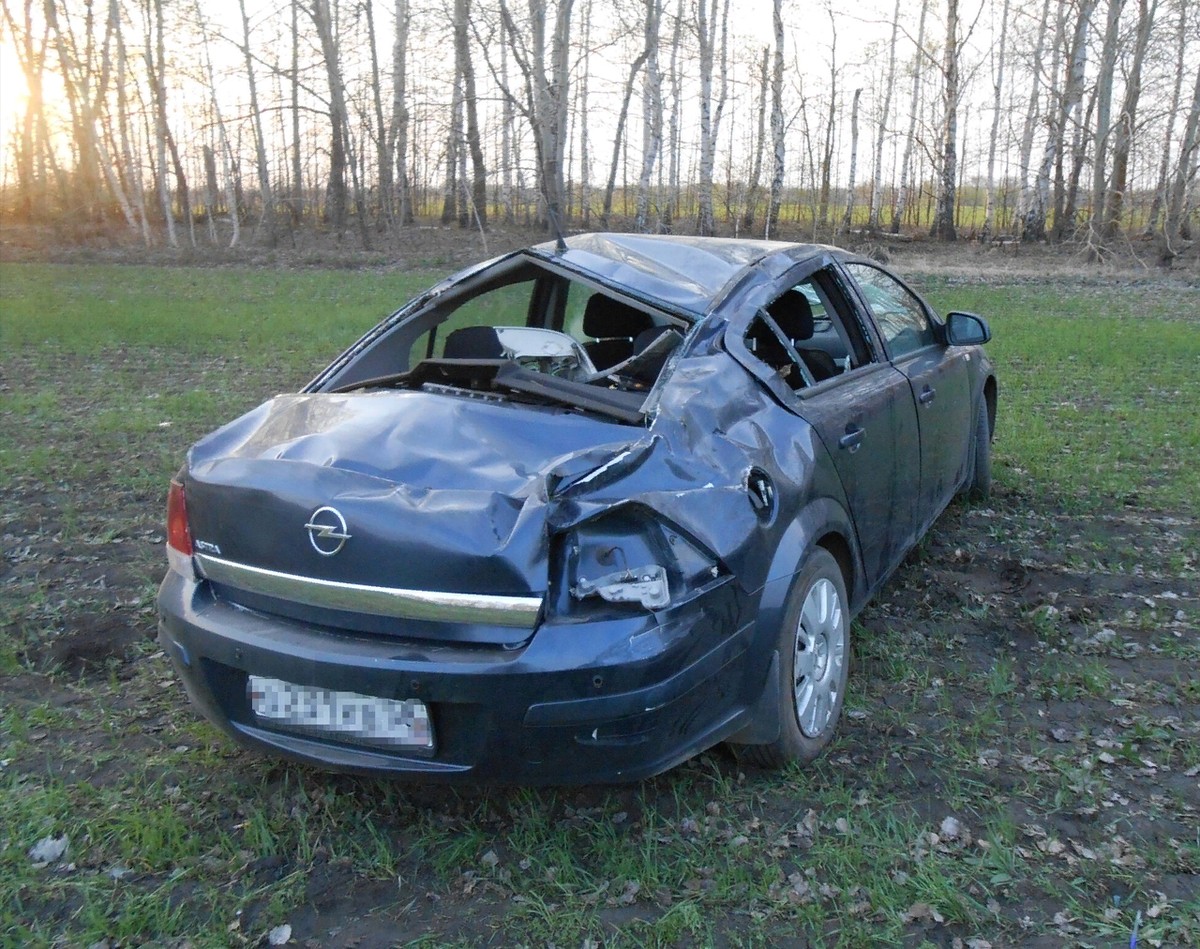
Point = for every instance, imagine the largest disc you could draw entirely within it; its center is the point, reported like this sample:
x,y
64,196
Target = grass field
x,y
1018,760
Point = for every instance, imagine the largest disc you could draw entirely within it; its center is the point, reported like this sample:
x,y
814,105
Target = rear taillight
x,y
179,538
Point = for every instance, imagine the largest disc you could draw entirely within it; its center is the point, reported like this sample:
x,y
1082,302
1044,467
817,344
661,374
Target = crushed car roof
x,y
686,271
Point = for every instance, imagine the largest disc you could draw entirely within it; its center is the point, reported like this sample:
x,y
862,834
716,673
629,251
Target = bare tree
x,y
1104,85
755,184
943,222
673,137
709,23
585,157
545,68
1031,113
906,161
990,209
1127,122
260,148
777,126
846,217
827,154
383,156
619,137
336,205
226,150
400,117
466,70
1164,166
652,112
881,131
1185,172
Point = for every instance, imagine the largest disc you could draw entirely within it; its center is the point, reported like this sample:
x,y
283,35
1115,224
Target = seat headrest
x,y
793,314
606,318
473,342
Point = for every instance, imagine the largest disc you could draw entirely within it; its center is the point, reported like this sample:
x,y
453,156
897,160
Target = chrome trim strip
x,y
488,609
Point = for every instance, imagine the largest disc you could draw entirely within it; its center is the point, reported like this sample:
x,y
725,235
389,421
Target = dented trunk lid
x,y
437,493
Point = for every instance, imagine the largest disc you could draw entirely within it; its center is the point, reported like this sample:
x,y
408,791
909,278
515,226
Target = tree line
x,y
1060,120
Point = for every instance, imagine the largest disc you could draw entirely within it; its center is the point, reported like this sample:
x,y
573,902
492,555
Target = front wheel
x,y
981,476
814,660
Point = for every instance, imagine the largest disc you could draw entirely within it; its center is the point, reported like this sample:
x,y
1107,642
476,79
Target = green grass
x,y
1098,388
293,317
109,373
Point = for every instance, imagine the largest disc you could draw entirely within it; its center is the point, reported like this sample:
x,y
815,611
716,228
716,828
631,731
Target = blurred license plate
x,y
347,716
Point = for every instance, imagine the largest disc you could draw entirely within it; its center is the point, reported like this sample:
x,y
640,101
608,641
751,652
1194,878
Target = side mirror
x,y
966,329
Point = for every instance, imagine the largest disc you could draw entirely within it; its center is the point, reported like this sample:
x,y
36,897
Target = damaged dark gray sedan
x,y
576,514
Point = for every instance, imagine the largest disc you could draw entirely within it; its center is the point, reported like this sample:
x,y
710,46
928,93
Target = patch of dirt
x,y
1024,663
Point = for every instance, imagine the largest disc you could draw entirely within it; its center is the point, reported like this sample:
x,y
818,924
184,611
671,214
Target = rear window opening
x,y
524,333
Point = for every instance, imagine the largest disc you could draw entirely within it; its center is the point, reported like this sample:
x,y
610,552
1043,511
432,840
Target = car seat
x,y
794,315
473,342
613,326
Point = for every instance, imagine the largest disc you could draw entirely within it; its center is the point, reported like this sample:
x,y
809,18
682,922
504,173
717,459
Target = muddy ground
x,y
1029,667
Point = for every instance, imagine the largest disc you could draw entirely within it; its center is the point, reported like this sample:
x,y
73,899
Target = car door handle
x,y
927,395
853,438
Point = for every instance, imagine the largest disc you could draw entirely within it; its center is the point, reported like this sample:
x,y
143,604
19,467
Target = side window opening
x,y
763,339
811,317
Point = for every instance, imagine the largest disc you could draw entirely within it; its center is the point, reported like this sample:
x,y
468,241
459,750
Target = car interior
x,y
827,344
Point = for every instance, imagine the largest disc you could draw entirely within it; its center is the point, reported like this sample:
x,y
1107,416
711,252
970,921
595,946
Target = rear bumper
x,y
603,701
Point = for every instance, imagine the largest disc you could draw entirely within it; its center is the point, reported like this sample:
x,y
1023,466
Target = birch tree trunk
x,y
226,151
155,69
336,203
1064,218
943,222
450,188
914,102
1025,200
672,203
1104,85
383,143
827,156
755,184
506,127
1184,173
400,117
297,173
877,180
462,53
846,217
1164,167
1126,123
619,137
132,173
777,128
260,148
708,22
652,114
1033,227
585,157
990,208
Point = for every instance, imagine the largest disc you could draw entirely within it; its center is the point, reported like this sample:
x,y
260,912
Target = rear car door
x,y
863,412
937,375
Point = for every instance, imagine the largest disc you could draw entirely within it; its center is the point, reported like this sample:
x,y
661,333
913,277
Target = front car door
x,y
939,380
863,412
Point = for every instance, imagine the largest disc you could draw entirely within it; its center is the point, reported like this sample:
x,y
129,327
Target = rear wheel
x,y
981,479
814,660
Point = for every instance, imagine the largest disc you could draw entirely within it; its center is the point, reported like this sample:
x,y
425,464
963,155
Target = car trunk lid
x,y
407,491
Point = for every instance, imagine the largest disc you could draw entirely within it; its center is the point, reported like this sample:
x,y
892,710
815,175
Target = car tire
x,y
981,478
814,662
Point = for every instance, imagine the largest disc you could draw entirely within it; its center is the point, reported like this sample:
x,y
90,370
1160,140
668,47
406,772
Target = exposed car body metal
x,y
581,582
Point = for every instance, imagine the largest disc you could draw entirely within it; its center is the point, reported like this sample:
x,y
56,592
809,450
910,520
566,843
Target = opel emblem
x,y
327,531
